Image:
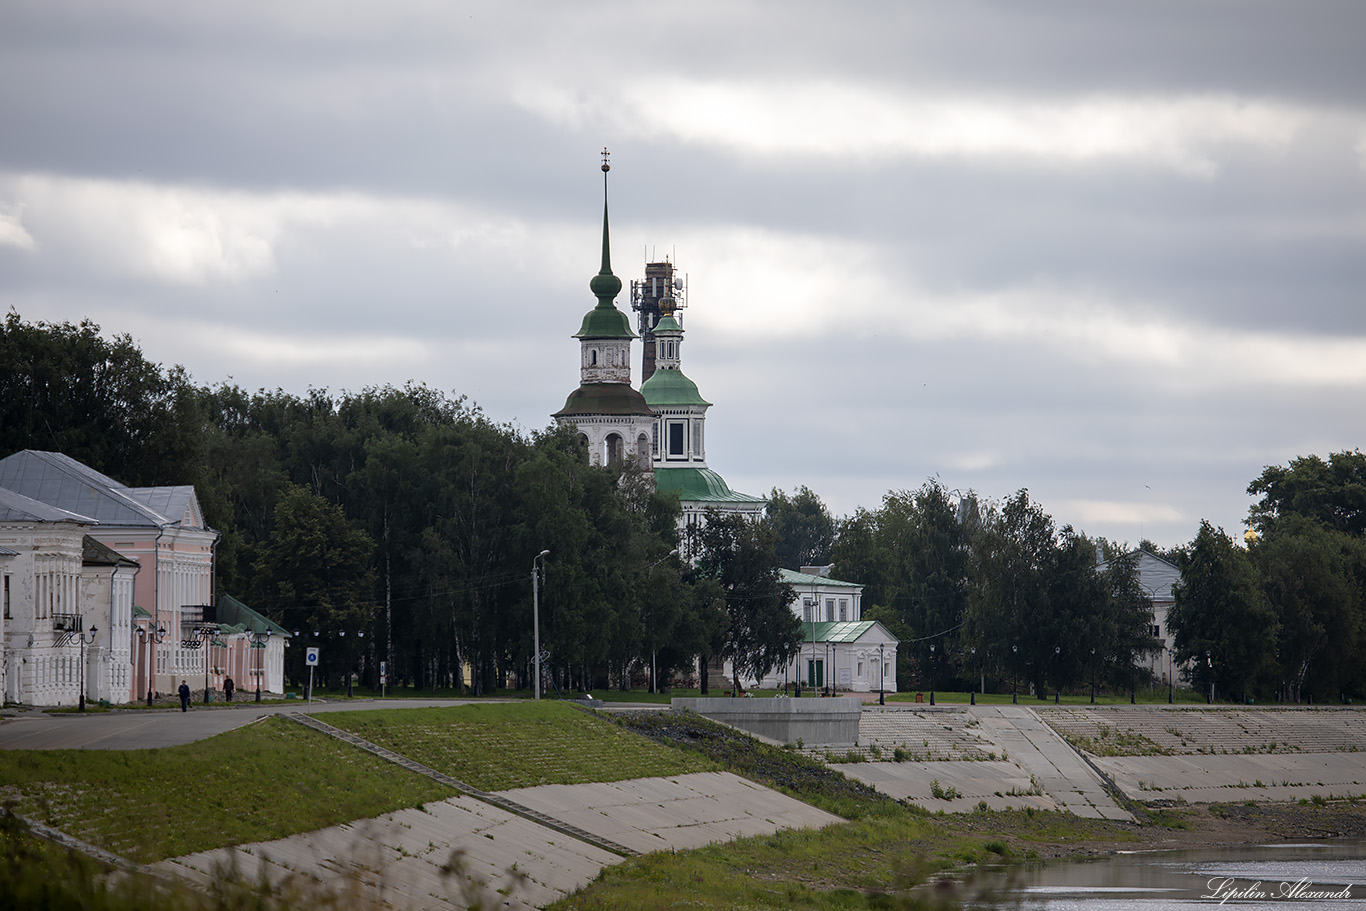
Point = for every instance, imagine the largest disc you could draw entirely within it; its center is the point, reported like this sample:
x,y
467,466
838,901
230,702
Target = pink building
x,y
163,530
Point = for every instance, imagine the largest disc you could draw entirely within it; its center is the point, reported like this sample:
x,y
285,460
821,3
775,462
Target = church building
x,y
612,418
678,440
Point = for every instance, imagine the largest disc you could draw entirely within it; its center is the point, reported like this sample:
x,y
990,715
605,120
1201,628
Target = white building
x,y
1157,576
107,583
41,588
840,650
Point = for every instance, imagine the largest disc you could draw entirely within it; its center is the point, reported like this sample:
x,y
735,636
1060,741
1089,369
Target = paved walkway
x,y
141,729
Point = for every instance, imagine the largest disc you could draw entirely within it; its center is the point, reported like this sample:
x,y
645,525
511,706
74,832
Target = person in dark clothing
x,y
184,696
228,688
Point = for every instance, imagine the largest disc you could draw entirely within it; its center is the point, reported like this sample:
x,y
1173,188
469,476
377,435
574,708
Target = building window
x,y
697,438
808,608
4,594
844,609
1156,631
675,438
860,670
830,609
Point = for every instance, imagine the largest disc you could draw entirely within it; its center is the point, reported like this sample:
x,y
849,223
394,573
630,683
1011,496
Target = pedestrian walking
x,y
228,688
184,696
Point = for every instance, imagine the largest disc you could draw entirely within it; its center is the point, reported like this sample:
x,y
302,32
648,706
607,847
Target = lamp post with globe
x,y
157,637
81,634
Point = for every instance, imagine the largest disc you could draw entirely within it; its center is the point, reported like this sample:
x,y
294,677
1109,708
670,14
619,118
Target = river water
x,y
1320,874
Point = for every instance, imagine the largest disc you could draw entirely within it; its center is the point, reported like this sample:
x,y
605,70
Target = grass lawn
x,y
496,747
264,781
867,863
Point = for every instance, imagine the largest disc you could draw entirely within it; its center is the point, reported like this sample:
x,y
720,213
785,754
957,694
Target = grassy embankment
x,y
275,778
500,747
260,782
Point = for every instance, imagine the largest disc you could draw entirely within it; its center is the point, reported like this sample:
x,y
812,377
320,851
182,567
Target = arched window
x,y
643,451
614,449
593,357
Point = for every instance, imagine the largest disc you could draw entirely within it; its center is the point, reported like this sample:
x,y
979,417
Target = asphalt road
x,y
144,729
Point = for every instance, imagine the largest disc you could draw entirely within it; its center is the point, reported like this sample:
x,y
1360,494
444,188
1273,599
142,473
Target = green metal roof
x,y
699,485
807,579
230,610
667,323
605,321
670,387
837,631
604,398
140,613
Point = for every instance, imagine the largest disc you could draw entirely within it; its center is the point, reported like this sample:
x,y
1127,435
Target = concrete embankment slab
x,y
1002,785
685,811
1219,779
1050,761
1202,754
399,858
1035,762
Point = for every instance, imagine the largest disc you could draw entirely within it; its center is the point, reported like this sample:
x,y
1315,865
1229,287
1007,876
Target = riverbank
x,y
1215,825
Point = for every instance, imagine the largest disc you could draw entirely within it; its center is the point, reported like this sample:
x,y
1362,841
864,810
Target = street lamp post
x,y
350,660
654,687
1057,669
156,637
1015,675
536,622
201,637
1093,676
1171,679
81,635
1209,662
931,673
259,641
972,694
881,676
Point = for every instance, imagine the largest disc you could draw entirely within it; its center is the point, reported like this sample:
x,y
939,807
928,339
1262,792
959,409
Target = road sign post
x,y
312,658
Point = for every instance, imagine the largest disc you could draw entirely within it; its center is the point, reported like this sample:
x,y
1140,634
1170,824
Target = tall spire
x,y
605,286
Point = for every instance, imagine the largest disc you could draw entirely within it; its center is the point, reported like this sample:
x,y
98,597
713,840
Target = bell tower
x,y
612,418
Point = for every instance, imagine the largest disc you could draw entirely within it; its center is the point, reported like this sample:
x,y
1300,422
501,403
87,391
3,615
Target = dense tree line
x,y
977,589
1284,617
410,516
403,515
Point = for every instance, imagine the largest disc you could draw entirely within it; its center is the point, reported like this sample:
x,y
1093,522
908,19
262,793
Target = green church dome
x,y
670,387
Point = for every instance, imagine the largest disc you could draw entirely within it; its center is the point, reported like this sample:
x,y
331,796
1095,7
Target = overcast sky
x,y
1111,252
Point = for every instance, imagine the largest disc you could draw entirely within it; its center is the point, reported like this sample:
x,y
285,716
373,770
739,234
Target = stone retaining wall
x,y
784,720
